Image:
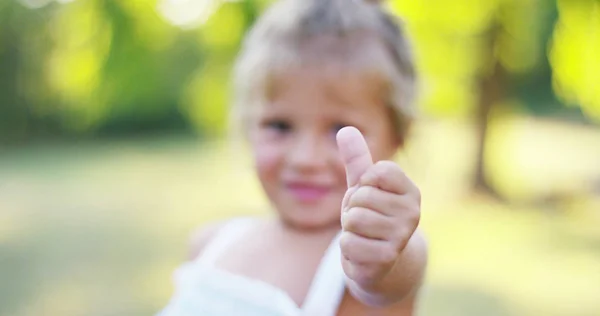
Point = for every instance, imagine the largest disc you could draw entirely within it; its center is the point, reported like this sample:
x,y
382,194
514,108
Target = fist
x,y
380,211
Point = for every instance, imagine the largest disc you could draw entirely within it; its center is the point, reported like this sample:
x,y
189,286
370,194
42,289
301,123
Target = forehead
x,y
332,61
329,90
325,67
340,83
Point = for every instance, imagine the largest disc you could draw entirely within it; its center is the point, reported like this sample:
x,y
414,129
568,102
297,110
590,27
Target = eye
x,y
279,126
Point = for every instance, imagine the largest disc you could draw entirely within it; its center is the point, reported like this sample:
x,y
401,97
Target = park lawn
x,y
97,228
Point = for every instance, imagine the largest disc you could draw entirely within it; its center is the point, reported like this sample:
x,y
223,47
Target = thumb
x,y
355,153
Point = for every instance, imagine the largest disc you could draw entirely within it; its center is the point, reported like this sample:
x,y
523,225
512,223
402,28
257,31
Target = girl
x,y
323,89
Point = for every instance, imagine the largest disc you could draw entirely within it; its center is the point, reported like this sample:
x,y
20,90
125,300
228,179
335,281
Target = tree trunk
x,y
491,88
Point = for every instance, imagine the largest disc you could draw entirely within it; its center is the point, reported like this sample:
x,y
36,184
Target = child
x,y
324,88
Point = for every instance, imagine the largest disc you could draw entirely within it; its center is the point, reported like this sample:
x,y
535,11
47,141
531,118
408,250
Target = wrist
x,y
366,294
402,279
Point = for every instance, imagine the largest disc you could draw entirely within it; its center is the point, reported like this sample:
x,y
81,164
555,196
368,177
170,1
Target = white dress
x,y
201,288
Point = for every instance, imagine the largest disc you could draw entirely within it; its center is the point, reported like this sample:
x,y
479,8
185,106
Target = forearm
x,y
403,280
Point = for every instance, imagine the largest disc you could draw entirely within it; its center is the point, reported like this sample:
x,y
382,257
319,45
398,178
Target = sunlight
x,y
188,14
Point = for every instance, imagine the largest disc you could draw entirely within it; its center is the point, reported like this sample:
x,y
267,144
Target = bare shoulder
x,y
200,237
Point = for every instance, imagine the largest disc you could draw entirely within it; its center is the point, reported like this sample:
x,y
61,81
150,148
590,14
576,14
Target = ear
x,y
399,142
396,145
401,130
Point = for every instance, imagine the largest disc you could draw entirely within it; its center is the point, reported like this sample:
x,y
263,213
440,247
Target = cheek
x,y
267,159
339,169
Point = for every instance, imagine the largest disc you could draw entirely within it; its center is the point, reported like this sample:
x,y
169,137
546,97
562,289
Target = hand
x,y
380,211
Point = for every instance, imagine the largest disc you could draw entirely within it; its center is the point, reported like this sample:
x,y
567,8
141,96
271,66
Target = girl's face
x,y
294,146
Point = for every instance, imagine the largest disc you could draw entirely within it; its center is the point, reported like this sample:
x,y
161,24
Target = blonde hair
x,y
282,38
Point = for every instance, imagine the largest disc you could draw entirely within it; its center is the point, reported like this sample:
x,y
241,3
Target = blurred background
x,y
113,149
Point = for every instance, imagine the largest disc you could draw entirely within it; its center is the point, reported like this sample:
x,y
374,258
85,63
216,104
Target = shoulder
x,y
201,236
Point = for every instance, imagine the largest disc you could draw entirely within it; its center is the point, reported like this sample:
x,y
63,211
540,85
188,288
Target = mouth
x,y
307,192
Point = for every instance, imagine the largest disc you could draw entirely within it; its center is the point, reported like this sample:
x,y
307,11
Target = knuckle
x,y
411,212
380,171
385,168
346,242
346,199
415,218
418,195
398,243
399,203
414,215
401,234
388,167
355,218
362,195
388,173
389,253
370,177
384,165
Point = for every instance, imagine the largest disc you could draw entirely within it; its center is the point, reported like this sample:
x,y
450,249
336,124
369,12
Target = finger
x,y
377,200
367,223
347,197
364,251
387,176
355,153
364,274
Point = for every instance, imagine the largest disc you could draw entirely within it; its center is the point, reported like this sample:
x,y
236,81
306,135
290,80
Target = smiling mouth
x,y
307,193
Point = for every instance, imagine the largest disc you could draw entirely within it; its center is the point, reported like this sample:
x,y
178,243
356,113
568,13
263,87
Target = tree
x,y
469,54
574,55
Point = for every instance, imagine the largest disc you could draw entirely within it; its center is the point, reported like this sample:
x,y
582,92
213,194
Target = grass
x,y
97,229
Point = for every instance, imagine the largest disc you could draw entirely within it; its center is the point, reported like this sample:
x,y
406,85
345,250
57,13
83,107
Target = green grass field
x,y
97,229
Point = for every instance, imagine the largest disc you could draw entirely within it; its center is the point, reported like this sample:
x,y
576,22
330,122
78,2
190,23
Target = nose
x,y
308,152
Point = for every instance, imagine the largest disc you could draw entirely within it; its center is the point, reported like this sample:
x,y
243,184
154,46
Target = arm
x,y
384,253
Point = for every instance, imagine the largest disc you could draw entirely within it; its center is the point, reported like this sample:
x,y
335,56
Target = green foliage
x,y
96,67
457,42
206,96
574,54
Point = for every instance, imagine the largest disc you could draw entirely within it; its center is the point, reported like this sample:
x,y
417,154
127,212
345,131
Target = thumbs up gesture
x,y
380,211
